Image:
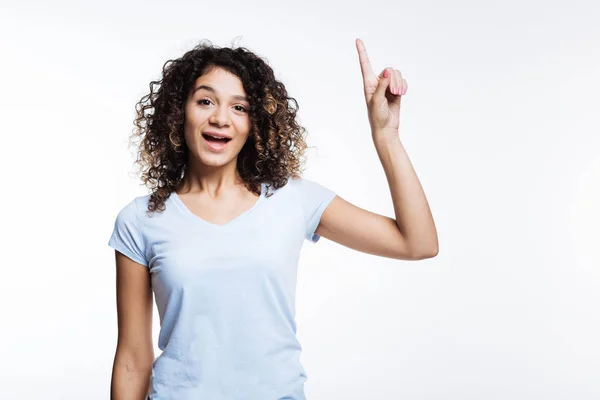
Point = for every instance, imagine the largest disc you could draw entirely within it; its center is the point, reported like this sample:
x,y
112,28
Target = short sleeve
x,y
315,199
126,236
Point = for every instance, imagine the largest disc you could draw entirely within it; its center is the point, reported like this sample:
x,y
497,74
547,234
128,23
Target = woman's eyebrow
x,y
210,89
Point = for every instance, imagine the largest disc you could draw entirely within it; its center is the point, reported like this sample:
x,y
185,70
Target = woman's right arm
x,y
134,356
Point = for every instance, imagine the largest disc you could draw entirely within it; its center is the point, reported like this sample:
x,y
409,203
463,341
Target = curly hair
x,y
276,143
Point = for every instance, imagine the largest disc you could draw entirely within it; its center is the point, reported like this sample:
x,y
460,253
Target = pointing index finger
x,y
365,65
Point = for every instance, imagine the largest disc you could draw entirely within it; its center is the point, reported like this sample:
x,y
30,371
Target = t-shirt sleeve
x,y
315,199
126,236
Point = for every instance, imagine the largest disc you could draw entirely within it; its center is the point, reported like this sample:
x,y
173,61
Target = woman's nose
x,y
220,116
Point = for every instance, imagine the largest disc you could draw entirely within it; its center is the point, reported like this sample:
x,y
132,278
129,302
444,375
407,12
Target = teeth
x,y
217,137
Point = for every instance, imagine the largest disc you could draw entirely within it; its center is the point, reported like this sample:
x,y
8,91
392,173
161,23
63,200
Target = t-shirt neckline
x,y
181,205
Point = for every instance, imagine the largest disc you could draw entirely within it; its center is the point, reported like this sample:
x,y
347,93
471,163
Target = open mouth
x,y
215,138
216,143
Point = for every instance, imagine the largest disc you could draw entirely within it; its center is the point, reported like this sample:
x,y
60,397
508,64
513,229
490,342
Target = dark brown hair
x,y
275,147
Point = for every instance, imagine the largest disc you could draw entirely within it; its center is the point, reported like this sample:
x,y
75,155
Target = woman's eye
x,y
206,102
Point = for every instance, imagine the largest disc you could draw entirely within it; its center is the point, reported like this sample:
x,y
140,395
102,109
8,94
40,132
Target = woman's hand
x,y
382,94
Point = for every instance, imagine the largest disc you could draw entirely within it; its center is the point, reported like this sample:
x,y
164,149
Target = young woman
x,y
218,238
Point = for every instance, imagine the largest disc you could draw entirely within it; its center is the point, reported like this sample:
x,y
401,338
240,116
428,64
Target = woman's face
x,y
216,104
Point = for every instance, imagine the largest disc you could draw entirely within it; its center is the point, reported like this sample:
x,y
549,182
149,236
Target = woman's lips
x,y
216,146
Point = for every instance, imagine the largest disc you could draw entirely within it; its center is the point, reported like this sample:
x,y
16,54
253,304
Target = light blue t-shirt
x,y
225,294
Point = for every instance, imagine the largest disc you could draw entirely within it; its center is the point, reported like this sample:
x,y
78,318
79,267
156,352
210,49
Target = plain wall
x,y
500,122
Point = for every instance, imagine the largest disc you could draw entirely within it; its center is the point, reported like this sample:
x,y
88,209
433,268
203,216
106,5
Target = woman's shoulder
x,y
303,184
291,185
132,209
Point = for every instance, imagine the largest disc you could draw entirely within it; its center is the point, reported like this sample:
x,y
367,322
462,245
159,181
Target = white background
x,y
500,122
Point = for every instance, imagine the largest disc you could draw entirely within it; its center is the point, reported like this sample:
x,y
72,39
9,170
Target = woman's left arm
x,y
412,235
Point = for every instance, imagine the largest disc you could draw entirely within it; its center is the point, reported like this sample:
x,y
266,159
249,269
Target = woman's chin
x,y
214,160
